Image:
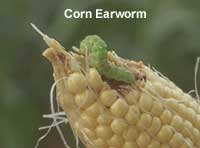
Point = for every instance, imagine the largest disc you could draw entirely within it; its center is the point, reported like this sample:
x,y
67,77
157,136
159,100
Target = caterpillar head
x,y
92,43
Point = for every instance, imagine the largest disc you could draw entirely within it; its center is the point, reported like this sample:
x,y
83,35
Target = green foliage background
x,y
169,39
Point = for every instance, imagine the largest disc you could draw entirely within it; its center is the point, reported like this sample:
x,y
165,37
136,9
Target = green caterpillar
x,y
97,50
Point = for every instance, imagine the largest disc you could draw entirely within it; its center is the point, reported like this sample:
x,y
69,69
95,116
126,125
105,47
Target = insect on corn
x,y
107,111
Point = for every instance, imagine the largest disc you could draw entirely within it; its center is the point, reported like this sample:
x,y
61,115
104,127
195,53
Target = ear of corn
x,y
156,115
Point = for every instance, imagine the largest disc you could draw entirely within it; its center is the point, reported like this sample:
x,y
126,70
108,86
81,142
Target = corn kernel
x,y
191,115
85,99
196,135
172,104
143,140
76,83
176,140
132,97
145,103
105,118
131,133
193,104
119,125
67,101
182,109
154,144
119,108
145,121
94,79
116,141
94,110
155,126
177,123
99,143
133,115
166,117
104,132
157,108
88,121
165,134
89,133
187,129
108,97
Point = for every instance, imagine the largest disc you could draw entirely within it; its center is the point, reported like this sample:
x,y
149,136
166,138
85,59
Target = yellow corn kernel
x,y
165,134
119,125
166,117
88,121
191,115
76,83
94,79
104,132
193,104
177,140
187,129
99,143
145,102
172,104
157,108
89,133
108,97
68,100
177,123
85,99
154,144
143,140
131,133
196,135
94,110
133,115
119,108
145,121
116,141
132,97
155,126
105,118
182,109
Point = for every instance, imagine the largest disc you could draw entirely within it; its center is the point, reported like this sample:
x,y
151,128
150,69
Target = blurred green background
x,y
169,39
